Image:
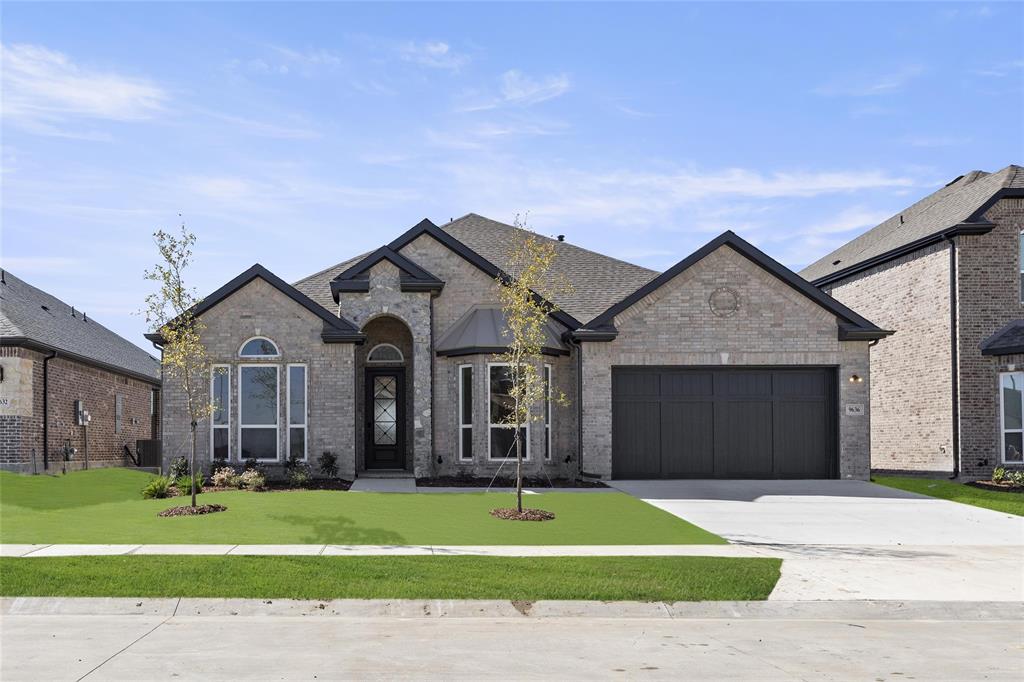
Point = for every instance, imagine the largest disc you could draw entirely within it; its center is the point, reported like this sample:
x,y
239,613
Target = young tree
x,y
168,311
526,301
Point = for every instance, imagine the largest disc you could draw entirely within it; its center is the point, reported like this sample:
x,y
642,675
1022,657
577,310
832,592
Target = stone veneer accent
x,y
775,325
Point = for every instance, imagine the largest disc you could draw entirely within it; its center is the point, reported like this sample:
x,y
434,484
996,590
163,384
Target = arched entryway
x,y
384,371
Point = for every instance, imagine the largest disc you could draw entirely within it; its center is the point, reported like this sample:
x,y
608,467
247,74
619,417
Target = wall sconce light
x,y
856,379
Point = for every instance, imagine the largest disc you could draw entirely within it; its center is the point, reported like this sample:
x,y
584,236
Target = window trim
x,y
548,429
118,413
399,361
273,343
461,411
227,427
277,412
491,425
305,409
1002,418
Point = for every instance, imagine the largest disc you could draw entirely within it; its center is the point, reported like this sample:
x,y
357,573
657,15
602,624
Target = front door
x,y
385,418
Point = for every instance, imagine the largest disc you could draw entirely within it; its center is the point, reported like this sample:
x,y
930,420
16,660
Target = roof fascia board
x,y
32,344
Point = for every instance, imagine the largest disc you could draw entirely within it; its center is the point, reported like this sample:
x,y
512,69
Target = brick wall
x,y
988,297
674,325
911,390
21,435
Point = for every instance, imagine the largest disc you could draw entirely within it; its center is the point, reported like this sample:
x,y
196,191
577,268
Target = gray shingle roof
x,y
318,285
938,211
31,313
598,281
1007,341
483,327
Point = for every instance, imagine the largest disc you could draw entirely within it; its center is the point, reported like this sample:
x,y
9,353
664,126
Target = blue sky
x,y
299,135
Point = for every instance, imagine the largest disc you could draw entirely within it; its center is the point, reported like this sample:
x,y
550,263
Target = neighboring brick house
x,y
55,363
727,365
946,275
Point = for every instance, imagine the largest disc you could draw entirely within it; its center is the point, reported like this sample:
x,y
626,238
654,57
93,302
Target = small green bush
x,y
225,477
178,468
998,475
252,480
328,464
253,464
158,488
1016,478
184,484
300,476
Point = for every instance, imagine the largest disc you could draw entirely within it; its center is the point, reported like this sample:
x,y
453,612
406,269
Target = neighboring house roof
x,y
31,317
597,280
1007,341
482,330
357,277
336,329
852,325
957,208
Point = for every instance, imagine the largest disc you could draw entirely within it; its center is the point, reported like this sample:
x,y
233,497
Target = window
x,y
1011,392
259,347
220,421
547,411
502,442
466,412
118,413
384,353
297,411
257,411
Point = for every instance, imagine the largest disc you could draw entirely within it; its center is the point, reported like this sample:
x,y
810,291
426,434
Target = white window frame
x,y
1002,417
305,407
462,409
547,411
491,425
400,360
277,411
257,357
227,409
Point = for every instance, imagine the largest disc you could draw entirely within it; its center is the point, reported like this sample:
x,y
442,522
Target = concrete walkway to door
x,y
854,539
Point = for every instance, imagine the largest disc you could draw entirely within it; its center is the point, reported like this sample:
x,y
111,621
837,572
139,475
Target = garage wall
x,y
773,325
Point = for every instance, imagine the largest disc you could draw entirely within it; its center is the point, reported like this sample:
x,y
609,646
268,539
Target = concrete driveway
x,y
854,539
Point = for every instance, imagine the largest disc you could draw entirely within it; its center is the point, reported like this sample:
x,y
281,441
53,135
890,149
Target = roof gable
x,y
851,326
412,276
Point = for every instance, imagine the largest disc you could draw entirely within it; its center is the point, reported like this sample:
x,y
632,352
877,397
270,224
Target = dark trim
x,y
356,277
856,324
954,359
988,348
1004,193
1006,350
492,350
603,334
900,251
336,329
31,344
473,258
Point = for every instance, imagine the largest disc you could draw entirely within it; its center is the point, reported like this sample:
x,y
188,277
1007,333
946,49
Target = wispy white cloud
x,y
519,89
280,60
936,140
266,129
432,54
1001,69
44,91
870,84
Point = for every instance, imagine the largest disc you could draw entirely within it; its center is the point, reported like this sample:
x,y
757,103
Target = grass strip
x,y
1008,502
383,577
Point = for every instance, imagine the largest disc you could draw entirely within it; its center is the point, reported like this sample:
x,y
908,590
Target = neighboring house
x,y
57,363
728,365
946,274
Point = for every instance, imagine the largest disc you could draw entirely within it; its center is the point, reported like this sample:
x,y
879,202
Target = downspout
x,y
46,409
579,404
433,360
954,360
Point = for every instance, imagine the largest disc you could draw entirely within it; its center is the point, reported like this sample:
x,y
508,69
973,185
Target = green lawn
x,y
1011,503
394,577
105,506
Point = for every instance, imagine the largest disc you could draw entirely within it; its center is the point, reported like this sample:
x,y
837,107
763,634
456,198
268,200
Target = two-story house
x,y
947,274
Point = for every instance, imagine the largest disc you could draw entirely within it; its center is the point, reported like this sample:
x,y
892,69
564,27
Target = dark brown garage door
x,y
683,422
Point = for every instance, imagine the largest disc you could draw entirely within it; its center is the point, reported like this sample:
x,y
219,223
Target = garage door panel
x,y
800,438
743,439
687,439
743,384
803,385
636,439
636,384
676,384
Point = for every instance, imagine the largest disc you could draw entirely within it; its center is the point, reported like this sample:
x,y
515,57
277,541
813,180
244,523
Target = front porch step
x,y
385,473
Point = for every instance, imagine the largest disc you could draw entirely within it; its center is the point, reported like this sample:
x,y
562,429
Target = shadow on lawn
x,y
339,530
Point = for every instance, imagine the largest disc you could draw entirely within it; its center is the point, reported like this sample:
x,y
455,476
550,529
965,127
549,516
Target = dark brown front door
x,y
385,418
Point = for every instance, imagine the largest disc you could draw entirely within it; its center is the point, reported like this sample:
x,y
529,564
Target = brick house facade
x,y
55,359
945,274
399,375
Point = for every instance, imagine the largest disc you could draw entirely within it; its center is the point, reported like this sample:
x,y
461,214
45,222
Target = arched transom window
x,y
259,347
385,352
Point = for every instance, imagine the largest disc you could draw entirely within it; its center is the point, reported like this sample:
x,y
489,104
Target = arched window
x,y
259,347
385,352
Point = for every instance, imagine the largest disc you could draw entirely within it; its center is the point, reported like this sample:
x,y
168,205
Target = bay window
x,y
547,411
465,412
501,434
1011,404
297,428
220,420
257,412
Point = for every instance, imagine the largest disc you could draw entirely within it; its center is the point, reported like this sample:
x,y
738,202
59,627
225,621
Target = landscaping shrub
x,y
178,468
999,474
253,464
299,476
1016,478
218,464
253,480
225,477
158,488
328,464
184,483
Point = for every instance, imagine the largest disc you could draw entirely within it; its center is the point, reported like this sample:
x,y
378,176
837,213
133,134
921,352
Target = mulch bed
x,y
483,482
526,515
1004,487
274,487
193,511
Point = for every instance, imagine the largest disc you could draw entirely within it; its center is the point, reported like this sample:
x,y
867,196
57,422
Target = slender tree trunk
x,y
192,464
519,470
